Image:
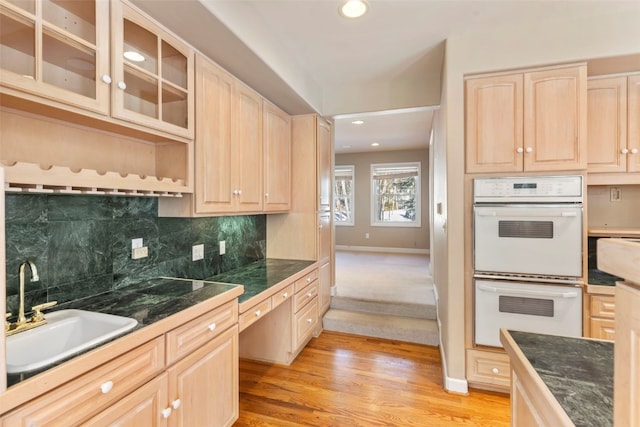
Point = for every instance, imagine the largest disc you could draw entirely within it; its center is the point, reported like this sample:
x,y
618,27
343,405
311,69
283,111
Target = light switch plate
x,y
223,247
136,243
197,252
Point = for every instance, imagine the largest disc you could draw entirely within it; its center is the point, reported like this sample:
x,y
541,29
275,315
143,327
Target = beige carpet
x,y
389,277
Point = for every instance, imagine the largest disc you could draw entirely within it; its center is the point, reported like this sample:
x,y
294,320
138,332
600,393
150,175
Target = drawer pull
x,y
308,279
106,387
176,404
310,294
258,313
212,326
495,370
286,294
309,320
166,412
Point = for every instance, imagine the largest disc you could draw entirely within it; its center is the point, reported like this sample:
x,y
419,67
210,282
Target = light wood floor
x,y
346,380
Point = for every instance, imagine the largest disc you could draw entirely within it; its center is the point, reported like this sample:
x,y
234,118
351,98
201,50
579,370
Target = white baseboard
x,y
382,249
453,385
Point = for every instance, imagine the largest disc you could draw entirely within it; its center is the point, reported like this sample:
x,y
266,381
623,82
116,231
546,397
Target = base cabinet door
x,y
143,407
203,387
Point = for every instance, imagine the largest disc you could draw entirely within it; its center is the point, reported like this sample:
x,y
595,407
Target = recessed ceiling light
x,y
357,122
375,144
353,8
133,56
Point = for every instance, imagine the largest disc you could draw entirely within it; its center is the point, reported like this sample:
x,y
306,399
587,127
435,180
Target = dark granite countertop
x,y
598,277
577,371
147,302
155,299
261,275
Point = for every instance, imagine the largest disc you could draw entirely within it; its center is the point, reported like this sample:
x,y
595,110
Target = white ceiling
x,y
304,56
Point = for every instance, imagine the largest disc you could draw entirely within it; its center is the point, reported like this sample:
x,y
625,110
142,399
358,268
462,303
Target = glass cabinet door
x,y
154,83
57,49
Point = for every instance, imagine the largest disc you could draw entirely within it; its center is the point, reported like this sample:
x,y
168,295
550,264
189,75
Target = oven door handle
x,y
528,214
523,292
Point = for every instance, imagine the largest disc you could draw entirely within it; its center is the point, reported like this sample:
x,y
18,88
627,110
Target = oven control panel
x,y
546,189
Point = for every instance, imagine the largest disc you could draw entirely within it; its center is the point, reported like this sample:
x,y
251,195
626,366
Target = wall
x,y
410,238
81,245
602,212
611,33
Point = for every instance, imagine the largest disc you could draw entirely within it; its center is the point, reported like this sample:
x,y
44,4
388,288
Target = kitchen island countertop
x,y
578,372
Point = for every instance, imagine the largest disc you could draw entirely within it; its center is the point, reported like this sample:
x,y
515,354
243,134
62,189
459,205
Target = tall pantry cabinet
x,y
306,232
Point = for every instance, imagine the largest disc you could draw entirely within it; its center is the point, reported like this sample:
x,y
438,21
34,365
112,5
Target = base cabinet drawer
x,y
143,407
254,314
603,329
305,323
603,306
489,368
73,403
305,295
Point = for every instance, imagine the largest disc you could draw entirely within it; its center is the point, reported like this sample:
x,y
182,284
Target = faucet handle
x,y
38,316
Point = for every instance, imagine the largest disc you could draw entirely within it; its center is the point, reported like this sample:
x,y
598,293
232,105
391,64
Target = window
x,y
343,195
395,194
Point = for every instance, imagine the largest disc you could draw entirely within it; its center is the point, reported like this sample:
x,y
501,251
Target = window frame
x,y
417,223
352,204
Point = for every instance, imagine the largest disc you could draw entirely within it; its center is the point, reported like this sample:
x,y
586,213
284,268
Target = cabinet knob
x,y
106,78
529,150
239,192
266,195
212,326
285,295
166,412
495,370
624,151
106,387
309,320
634,151
309,294
122,85
308,279
176,404
520,150
258,313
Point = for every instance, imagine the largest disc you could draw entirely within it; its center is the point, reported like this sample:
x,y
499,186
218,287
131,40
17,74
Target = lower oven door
x,y
529,307
528,239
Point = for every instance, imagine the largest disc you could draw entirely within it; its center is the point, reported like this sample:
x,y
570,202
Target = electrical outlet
x,y
136,243
197,252
615,194
223,247
366,235
138,253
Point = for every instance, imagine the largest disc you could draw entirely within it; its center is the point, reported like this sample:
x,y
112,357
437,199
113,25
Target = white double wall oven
x,y
527,256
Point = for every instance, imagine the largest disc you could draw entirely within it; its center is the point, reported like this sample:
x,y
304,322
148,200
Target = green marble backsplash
x,y
81,245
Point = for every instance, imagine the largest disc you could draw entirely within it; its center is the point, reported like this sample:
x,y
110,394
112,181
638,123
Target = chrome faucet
x,y
34,278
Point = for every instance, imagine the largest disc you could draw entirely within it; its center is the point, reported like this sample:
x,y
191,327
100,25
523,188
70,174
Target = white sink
x,y
66,332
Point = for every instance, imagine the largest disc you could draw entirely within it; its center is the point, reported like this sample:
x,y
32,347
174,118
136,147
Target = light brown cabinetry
x,y
203,387
306,232
68,124
276,326
242,150
602,311
60,52
277,159
614,129
490,369
527,122
152,73
626,392
200,386
90,393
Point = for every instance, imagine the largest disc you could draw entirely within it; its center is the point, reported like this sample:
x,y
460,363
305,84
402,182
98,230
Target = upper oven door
x,y
528,239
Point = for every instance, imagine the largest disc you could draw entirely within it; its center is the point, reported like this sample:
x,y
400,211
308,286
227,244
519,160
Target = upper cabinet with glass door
x,y
57,49
153,74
